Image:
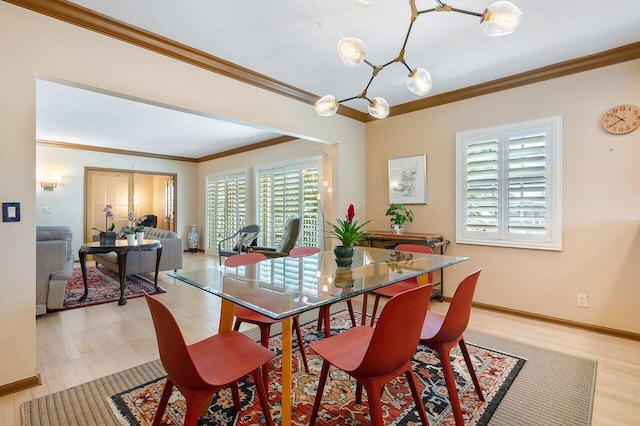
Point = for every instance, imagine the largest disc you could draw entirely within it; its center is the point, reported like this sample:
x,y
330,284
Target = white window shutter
x,y
509,185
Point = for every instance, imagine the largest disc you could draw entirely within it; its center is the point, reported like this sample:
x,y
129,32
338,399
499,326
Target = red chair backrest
x,y
244,259
303,251
174,354
416,248
457,318
397,332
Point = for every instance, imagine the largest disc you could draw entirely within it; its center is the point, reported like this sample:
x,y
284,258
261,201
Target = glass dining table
x,y
280,288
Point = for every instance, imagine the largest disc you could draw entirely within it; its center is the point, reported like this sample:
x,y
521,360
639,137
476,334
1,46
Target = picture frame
x,y
408,180
11,212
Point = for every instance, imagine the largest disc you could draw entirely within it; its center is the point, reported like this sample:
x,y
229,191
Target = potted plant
x,y
107,237
399,215
140,229
130,233
349,232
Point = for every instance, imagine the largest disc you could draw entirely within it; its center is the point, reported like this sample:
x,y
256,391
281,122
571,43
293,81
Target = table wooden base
x,y
226,324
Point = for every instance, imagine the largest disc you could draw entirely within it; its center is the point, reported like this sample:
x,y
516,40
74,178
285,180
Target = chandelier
x,y
500,18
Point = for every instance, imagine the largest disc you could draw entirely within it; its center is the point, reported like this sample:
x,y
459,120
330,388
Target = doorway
x,y
140,193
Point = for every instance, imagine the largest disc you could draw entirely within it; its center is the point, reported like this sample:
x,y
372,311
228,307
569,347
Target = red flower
x,y
351,213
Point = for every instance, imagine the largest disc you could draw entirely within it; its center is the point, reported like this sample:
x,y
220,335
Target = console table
x,y
121,247
389,239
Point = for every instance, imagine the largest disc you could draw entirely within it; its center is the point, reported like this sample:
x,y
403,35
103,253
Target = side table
x,y
121,247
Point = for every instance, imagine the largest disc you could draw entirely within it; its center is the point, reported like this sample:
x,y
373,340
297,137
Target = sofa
x,y
140,262
54,266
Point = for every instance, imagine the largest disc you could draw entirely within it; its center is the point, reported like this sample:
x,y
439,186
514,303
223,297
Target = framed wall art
x,y
11,212
408,180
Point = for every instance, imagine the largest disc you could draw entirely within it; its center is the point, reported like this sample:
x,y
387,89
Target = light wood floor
x,y
80,345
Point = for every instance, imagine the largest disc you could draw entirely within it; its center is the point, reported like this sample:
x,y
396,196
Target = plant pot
x,y
344,255
397,229
131,238
108,238
140,237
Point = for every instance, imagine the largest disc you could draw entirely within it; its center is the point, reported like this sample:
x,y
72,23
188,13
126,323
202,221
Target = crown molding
x,y
85,18
67,145
257,145
625,53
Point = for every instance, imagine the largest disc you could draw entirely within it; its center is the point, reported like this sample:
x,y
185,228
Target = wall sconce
x,y
49,182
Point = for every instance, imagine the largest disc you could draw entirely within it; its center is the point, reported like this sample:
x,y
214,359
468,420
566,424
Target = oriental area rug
x,y
496,371
104,287
552,388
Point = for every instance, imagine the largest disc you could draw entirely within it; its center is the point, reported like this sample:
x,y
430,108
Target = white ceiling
x,y
294,42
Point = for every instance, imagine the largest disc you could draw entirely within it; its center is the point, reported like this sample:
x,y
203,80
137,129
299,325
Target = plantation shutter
x,y
287,191
527,194
483,201
509,185
226,206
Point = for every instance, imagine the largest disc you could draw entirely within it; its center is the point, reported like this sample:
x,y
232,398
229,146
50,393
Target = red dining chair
x,y
263,322
303,251
324,312
203,368
443,332
394,289
374,356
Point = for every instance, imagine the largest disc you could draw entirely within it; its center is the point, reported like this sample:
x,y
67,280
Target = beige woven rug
x,y
551,389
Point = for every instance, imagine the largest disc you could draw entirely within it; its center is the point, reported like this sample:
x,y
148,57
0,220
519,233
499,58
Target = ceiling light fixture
x,y
500,18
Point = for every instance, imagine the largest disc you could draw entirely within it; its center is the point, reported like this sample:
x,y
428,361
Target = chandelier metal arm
x,y
369,63
466,12
446,8
349,99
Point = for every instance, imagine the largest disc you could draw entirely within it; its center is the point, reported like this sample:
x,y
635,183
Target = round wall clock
x,y
621,119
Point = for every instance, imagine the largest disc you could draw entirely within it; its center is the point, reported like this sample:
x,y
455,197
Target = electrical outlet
x,y
583,300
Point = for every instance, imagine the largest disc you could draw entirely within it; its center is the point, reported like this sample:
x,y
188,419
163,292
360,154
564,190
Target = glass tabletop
x,y
286,286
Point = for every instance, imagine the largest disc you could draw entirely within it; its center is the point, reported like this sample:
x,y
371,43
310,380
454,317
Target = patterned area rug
x,y
496,371
104,287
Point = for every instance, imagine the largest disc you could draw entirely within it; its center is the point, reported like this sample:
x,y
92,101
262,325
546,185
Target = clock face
x,y
621,119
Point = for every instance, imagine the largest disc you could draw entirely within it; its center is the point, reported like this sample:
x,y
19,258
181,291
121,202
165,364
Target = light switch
x,y
46,210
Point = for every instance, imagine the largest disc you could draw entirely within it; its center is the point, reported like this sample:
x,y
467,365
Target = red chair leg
x,y
358,393
472,372
194,402
321,382
351,312
416,397
265,331
375,309
164,399
374,394
296,326
262,394
321,317
236,396
326,316
450,381
236,325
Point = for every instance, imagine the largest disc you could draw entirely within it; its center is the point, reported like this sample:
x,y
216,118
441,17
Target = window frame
x,y
552,237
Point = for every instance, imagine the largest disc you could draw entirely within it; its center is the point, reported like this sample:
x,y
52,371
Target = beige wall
x,y
66,202
601,197
35,45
